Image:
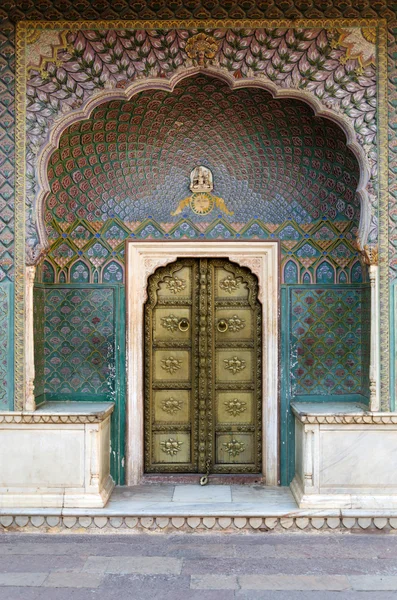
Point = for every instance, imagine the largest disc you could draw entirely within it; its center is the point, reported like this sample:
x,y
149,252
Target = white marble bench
x,y
56,456
345,456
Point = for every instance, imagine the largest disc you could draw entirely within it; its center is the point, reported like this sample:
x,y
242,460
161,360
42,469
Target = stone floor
x,y
211,567
197,500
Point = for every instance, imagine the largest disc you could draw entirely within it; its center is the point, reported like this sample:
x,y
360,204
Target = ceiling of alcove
x,y
271,159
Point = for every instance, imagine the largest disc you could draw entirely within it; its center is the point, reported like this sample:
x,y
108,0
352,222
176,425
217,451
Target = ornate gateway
x,y
203,369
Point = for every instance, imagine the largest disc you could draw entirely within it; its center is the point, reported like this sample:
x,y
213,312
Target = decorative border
x,y
364,419
207,524
19,219
57,419
383,212
23,27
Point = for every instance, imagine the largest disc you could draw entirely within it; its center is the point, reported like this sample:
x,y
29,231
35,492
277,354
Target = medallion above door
x,y
203,379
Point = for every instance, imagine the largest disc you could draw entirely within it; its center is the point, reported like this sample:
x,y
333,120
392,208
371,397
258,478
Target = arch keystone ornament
x,y
202,201
202,49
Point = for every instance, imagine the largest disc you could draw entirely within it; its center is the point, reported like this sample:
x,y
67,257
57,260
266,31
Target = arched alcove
x,y
280,173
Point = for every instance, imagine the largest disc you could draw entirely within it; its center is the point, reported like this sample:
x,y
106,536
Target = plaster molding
x,y
301,520
358,419
21,418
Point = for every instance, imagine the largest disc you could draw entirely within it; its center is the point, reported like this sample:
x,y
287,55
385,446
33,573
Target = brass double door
x,y
203,363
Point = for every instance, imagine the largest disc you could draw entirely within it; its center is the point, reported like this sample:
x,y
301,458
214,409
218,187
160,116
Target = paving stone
x,y
21,593
36,563
214,582
22,579
73,580
310,595
134,564
373,583
294,582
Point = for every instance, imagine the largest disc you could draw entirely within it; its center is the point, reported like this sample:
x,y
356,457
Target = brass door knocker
x,y
183,324
222,325
204,478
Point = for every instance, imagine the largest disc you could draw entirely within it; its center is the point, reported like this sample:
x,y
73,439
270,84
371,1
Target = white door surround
x,y
143,258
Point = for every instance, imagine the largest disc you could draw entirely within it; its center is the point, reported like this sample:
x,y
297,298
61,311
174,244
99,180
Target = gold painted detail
x,y
171,405
234,364
370,254
202,49
229,284
235,407
171,323
234,448
236,323
175,285
202,203
171,446
171,364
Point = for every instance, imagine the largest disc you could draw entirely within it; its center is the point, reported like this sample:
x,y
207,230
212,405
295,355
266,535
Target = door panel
x,y
235,407
203,375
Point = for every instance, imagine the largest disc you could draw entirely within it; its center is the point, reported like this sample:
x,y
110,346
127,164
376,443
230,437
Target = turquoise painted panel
x,y
79,339
326,340
6,346
38,328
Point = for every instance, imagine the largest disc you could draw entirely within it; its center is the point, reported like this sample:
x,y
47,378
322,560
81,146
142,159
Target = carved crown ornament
x,y
202,49
202,201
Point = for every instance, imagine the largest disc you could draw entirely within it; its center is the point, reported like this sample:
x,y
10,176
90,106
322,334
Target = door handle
x,y
222,325
183,324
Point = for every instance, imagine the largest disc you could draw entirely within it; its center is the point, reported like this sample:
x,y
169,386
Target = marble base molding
x,y
143,258
57,456
344,457
120,525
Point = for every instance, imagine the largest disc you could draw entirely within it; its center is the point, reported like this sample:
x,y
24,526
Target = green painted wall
x,y
80,351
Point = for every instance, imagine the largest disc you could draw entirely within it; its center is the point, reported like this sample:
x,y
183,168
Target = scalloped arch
x,y
169,86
